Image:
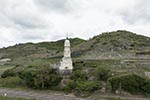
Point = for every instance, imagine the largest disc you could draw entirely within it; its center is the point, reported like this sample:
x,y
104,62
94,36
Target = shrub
x,y
8,73
79,76
131,83
83,88
146,87
80,85
103,73
88,86
40,78
11,82
12,72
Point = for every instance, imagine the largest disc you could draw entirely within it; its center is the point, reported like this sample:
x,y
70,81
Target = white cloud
x,y
46,20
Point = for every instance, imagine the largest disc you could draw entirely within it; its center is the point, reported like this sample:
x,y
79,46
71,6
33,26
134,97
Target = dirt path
x,y
37,95
54,96
125,97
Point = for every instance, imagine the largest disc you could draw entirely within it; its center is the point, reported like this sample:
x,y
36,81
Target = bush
x,y
103,73
8,73
83,88
70,86
79,76
133,84
80,85
12,72
146,87
11,82
45,78
88,86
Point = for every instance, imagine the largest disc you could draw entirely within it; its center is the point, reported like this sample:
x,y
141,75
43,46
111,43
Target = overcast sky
x,y
46,20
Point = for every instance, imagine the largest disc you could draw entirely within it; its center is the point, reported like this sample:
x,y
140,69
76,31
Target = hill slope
x,y
30,51
117,44
109,45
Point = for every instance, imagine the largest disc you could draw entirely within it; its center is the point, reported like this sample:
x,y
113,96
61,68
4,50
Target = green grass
x,y
11,82
4,68
43,62
13,98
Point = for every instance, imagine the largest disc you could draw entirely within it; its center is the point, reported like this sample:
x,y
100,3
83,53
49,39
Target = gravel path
x,y
54,96
38,96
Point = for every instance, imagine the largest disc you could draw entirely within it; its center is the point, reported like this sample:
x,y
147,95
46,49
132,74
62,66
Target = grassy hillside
x,y
108,45
29,52
117,44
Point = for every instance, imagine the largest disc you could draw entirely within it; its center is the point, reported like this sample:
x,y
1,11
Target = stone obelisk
x,y
66,66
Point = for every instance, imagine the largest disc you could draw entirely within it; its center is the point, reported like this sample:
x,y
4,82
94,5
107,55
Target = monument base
x,y
65,72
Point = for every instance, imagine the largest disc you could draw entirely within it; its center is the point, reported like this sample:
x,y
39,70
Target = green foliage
x,y
58,45
86,88
146,87
8,73
79,76
103,73
120,40
80,85
11,82
44,78
12,72
78,65
83,88
131,83
34,77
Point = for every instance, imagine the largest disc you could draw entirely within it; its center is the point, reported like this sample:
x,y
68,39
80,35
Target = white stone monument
x,y
66,66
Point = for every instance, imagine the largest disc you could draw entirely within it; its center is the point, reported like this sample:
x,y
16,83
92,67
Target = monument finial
x,y
67,36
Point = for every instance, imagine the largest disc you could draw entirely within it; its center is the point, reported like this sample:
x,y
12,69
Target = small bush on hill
x,y
80,85
11,82
8,73
146,88
83,88
44,78
33,77
133,84
103,73
12,72
79,76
